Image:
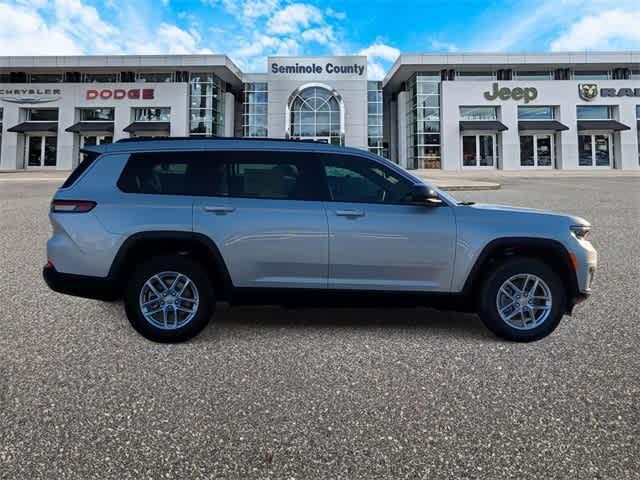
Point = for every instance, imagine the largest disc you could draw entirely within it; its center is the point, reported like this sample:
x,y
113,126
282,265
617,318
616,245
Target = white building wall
x,y
561,94
74,96
351,87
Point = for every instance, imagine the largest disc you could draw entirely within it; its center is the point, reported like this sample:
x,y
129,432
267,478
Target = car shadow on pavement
x,y
445,324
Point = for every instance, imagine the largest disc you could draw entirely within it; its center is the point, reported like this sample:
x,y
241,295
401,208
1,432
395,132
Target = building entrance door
x,y
41,151
595,150
479,150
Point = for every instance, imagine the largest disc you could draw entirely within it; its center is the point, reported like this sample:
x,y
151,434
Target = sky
x,y
250,30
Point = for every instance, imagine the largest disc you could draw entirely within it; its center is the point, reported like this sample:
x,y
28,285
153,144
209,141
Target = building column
x,y
402,129
626,153
10,151
568,139
392,129
229,114
509,155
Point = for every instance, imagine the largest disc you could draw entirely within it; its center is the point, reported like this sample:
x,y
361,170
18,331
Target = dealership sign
x,y
517,93
30,95
315,69
589,91
120,94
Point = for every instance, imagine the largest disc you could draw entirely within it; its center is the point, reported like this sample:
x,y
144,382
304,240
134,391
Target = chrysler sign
x,y
30,95
120,94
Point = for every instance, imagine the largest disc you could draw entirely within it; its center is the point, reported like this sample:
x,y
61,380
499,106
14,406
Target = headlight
x,y
580,231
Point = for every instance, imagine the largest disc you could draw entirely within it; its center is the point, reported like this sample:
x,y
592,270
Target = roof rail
x,y
216,137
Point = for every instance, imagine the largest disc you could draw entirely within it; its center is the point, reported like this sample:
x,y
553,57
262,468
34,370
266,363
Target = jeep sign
x,y
517,93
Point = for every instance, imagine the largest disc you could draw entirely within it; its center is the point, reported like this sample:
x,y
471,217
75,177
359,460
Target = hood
x,y
574,220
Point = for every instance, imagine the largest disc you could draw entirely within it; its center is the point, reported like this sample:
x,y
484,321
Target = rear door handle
x,y
350,213
219,209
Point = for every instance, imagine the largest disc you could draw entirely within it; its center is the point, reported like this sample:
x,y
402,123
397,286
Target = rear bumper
x,y
80,285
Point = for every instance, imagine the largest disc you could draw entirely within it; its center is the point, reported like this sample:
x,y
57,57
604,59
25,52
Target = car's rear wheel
x,y
169,299
522,299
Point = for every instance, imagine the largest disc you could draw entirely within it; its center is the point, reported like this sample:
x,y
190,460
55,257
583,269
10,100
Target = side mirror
x,y
423,195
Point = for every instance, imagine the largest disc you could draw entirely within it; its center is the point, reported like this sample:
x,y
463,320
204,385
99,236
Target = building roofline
x,y
443,60
67,62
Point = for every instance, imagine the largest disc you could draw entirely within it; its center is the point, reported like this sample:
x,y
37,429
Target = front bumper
x,y
80,285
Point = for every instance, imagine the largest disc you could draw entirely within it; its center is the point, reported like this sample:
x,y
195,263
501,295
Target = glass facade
x,y
592,75
255,110
315,114
594,112
478,113
533,75
42,114
375,119
152,114
536,113
96,114
476,75
206,105
423,121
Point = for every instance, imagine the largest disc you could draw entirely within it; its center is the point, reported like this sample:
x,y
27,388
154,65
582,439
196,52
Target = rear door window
x,y
266,175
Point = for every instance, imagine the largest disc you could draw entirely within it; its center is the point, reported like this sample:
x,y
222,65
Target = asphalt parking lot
x,y
340,393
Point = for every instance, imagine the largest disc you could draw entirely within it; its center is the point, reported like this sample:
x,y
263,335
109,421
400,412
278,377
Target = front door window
x,y
479,150
594,150
536,150
41,151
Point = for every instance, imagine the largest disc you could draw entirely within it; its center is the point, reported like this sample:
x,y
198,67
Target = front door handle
x,y
350,213
219,209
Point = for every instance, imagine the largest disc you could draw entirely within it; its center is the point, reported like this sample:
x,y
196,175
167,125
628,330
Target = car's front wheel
x,y
169,298
522,299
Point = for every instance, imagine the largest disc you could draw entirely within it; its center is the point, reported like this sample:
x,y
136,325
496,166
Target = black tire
x,y
488,309
175,263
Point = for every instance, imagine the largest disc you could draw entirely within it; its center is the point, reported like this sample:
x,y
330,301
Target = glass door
x,y
595,150
41,151
537,150
479,150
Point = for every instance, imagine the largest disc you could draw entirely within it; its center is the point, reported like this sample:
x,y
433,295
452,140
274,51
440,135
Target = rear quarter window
x,y
165,173
89,159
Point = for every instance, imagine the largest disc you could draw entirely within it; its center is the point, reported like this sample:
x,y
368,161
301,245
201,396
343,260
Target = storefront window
x,y
206,93
255,109
374,119
423,121
478,113
152,114
315,113
536,113
475,75
45,77
42,114
591,75
478,150
96,114
155,77
534,75
536,150
594,150
594,112
102,77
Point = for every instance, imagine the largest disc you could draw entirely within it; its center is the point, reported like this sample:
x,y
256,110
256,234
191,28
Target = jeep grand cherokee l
x,y
173,226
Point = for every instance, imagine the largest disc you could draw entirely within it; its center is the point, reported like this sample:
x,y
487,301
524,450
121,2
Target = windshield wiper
x,y
466,203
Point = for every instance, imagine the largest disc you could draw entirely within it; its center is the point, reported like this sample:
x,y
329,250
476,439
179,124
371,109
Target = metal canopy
x,y
611,125
26,127
542,125
91,127
146,126
487,125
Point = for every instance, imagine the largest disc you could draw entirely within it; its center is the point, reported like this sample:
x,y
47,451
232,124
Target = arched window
x,y
315,112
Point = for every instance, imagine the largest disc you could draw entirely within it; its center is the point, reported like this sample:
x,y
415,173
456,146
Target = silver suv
x,y
175,225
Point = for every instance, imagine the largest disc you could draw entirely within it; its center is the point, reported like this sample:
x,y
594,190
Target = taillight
x,y
72,206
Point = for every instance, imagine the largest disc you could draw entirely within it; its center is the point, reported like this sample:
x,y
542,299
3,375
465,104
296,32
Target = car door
x,y
377,239
265,214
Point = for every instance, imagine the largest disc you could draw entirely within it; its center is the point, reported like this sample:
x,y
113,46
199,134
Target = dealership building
x,y
443,111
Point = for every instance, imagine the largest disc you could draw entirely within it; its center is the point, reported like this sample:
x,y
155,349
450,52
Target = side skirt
x,y
349,298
